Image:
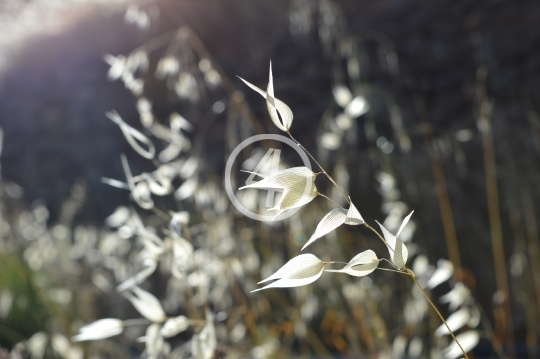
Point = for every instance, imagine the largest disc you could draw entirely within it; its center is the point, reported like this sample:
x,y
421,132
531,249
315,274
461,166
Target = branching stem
x,y
392,270
405,270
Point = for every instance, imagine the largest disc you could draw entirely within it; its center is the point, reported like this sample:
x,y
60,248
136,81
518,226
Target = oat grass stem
x,y
411,273
405,269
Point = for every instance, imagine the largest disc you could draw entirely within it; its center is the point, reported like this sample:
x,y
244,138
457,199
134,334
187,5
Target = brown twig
x,y
202,51
484,127
445,206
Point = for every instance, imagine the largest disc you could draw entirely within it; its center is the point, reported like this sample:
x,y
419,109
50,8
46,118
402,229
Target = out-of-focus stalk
x,y
440,186
485,129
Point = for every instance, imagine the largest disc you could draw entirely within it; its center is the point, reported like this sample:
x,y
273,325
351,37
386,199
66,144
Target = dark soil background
x,y
54,94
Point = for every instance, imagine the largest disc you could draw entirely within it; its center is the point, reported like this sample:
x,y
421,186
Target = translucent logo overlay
x,y
268,165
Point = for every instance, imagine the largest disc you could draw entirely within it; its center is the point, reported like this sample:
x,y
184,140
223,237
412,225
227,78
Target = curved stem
x,y
331,200
393,265
377,233
411,273
340,190
391,270
405,270
321,167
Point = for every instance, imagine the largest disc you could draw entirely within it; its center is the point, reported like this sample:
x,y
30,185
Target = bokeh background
x,y
451,88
